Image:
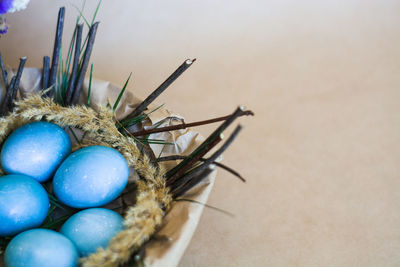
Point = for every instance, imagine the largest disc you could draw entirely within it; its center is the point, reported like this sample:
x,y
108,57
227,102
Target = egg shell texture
x,y
35,149
91,229
23,204
41,248
91,177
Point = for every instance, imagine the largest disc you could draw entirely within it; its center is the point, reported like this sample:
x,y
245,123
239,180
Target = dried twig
x,y
182,185
56,51
45,72
75,65
3,72
14,89
185,65
85,63
187,125
4,103
212,137
193,161
218,164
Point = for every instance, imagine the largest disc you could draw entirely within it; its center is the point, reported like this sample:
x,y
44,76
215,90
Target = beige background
x,y
322,154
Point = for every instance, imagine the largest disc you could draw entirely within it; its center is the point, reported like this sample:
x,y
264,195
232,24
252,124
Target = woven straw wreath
x,y
152,199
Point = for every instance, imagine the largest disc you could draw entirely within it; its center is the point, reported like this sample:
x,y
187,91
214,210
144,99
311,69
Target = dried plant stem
x,y
185,65
22,62
15,87
85,63
75,64
222,166
182,185
6,100
3,72
193,161
212,137
187,125
56,50
45,72
206,205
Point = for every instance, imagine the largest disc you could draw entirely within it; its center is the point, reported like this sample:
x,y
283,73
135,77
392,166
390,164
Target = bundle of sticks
x,y
182,177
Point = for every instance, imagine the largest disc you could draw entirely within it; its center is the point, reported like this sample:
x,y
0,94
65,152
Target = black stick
x,y
45,72
193,161
185,65
15,87
75,65
192,183
179,187
56,51
4,72
85,63
222,166
187,125
210,139
4,104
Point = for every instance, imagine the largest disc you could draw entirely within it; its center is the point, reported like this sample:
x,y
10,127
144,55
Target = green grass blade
x,y
83,5
65,76
69,54
153,141
132,121
56,223
121,93
56,202
87,23
154,110
82,9
206,205
95,13
68,63
74,135
58,84
162,150
81,14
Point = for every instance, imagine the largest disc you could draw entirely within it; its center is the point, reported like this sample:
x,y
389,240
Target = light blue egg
x,y
91,229
91,177
35,149
23,204
41,248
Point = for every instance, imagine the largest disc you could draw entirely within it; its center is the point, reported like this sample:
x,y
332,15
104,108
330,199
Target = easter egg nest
x,y
153,197
59,101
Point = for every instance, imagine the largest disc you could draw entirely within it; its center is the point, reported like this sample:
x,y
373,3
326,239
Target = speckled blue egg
x,y
91,229
91,177
35,149
23,204
41,248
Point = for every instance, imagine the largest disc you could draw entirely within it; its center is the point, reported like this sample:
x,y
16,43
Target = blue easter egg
x,y
41,248
91,229
35,149
91,177
23,204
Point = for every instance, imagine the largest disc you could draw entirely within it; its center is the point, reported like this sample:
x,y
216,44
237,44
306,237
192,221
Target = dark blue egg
x,y
23,204
41,248
91,229
35,149
91,177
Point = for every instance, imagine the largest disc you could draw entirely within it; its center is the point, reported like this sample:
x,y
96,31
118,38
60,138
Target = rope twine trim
x,y
153,197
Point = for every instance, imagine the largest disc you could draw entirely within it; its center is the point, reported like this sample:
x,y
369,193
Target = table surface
x,y
321,156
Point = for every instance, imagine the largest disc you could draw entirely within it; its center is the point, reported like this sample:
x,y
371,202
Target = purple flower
x,y
5,5
3,30
3,24
9,6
